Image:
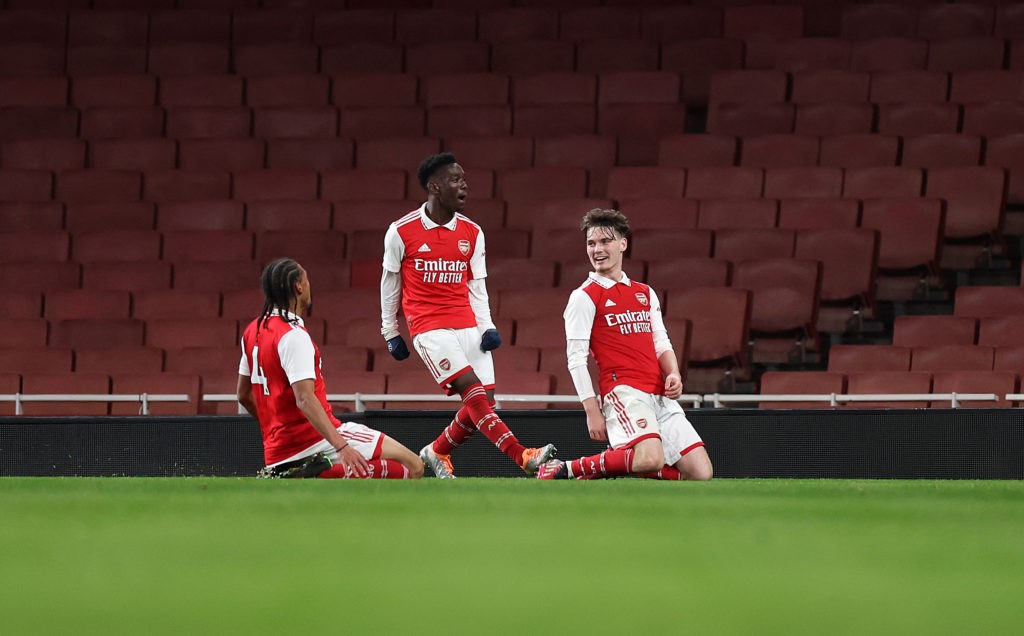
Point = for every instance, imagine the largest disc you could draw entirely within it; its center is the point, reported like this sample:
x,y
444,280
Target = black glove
x,y
490,340
397,348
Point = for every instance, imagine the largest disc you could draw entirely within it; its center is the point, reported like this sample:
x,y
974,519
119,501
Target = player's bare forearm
x,y
673,378
244,395
596,424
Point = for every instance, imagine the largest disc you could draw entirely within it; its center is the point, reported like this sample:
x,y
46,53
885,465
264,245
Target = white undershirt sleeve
x,y
576,352
391,282
298,357
243,364
480,303
661,341
579,322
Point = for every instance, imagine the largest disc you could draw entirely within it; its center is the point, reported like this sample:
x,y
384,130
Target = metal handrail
x,y
143,398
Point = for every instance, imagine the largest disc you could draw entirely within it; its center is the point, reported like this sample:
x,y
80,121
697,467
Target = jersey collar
x,y
608,283
288,316
429,224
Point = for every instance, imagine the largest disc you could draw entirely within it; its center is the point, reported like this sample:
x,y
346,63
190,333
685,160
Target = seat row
x,y
867,383
493,88
412,21
693,58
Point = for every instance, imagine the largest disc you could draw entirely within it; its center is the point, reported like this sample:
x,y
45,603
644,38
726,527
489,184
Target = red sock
x,y
666,472
474,399
611,463
456,434
379,469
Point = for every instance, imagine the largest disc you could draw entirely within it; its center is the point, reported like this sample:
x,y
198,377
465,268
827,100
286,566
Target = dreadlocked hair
x,y
278,282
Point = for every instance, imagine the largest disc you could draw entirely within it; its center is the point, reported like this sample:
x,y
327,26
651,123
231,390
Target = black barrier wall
x,y
889,444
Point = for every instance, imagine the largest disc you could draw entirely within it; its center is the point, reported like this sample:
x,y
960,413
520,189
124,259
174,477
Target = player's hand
x,y
490,341
354,463
673,386
397,348
597,427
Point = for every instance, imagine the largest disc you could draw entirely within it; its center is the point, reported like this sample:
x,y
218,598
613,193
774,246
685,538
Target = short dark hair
x,y
429,167
599,217
278,282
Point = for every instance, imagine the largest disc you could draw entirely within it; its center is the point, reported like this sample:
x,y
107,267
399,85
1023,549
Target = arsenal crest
x,y
641,298
464,247
445,365
642,423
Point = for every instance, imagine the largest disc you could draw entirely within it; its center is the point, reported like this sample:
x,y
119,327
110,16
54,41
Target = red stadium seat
x,y
26,359
189,25
517,24
188,58
375,89
175,304
98,186
989,301
671,22
616,55
65,383
529,303
1001,331
366,244
744,244
908,86
859,150
296,89
868,382
748,86
1008,359
860,22
801,383
974,198
24,332
206,90
493,153
861,358
968,357
97,332
520,273
814,214
883,54
31,122
26,185
33,246
918,118
115,276
114,360
910,231
764,151
998,382
228,155
721,325
29,276
222,277
830,85
356,57
281,183
337,26
634,182
191,332
278,243
32,216
731,214
553,213
986,86
117,245
688,151
966,53
386,121
923,331
250,26
107,27
93,217
275,58
416,26
33,91
45,27
432,58
85,303
668,213
750,119
542,183
368,183
43,154
802,182
545,331
785,304
941,150
723,182
310,154
209,214
157,383
994,118
122,122
697,60
529,57
204,122
850,260
114,90
811,53
834,119
655,244
288,215
24,305
882,182
681,274
949,21
153,153
394,152
487,120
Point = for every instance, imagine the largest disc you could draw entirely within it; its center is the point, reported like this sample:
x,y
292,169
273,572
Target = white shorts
x,y
633,416
448,353
364,439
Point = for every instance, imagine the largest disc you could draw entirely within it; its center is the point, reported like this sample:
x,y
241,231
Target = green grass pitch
x,y
510,556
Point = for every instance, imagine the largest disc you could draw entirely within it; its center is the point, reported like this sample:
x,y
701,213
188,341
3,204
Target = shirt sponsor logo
x,y
440,270
630,321
464,247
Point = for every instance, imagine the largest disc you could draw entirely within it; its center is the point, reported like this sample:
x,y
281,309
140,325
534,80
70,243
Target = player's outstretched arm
x,y
306,400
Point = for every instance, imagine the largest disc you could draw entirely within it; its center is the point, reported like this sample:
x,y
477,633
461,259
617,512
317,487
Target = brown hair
x,y
612,219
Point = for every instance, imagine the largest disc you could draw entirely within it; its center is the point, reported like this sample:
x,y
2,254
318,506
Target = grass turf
x,y
510,556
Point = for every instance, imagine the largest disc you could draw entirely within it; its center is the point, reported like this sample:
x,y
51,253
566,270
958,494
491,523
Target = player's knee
x,y
415,468
646,460
702,471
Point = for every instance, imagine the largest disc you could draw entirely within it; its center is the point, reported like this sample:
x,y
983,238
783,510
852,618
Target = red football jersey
x,y
436,263
621,334
274,357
